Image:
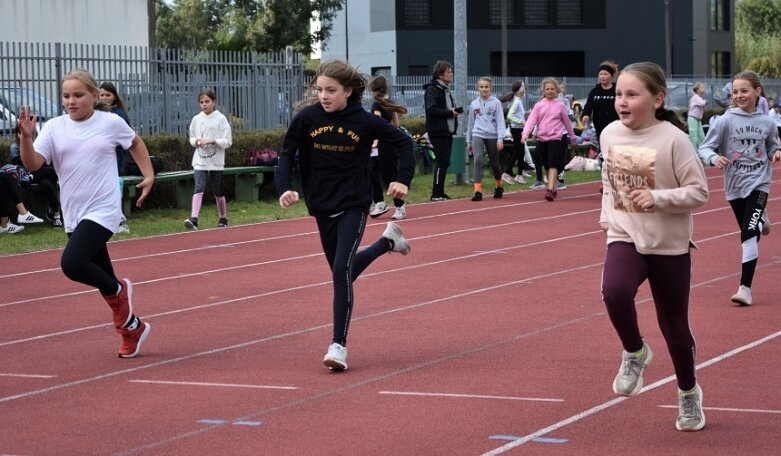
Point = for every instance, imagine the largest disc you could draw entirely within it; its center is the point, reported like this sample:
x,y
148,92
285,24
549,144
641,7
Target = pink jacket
x,y
550,118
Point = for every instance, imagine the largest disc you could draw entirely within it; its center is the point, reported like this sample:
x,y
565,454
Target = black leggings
x,y
9,193
442,148
86,260
669,277
748,212
340,236
518,152
389,165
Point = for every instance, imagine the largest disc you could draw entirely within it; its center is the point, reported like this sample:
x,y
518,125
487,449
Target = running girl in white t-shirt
x,y
81,146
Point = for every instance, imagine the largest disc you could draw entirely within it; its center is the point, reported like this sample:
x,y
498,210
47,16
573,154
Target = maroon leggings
x,y
669,277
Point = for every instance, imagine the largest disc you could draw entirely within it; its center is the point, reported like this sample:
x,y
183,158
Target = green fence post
x,y
458,160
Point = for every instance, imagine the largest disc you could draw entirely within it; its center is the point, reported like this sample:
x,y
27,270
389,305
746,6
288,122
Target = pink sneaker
x,y
132,340
122,304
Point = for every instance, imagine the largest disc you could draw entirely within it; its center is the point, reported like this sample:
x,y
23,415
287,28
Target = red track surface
x,y
491,329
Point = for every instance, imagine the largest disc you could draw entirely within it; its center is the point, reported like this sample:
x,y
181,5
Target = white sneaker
x,y
395,234
379,209
690,416
519,179
11,228
507,178
400,213
123,227
336,357
743,296
765,223
629,380
28,218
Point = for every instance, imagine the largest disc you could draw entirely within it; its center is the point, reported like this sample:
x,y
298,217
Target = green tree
x,y
248,25
757,41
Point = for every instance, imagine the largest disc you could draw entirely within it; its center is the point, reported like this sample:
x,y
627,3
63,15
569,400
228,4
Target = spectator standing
x,y
600,105
652,181
516,116
549,116
694,116
333,137
110,97
441,123
210,134
775,114
89,193
485,134
748,142
388,155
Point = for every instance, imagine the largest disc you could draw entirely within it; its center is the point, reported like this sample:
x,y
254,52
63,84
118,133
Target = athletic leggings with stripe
x,y
86,260
669,277
340,236
748,212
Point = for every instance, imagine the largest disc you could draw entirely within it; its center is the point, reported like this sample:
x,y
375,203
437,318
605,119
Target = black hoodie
x,y
333,150
601,107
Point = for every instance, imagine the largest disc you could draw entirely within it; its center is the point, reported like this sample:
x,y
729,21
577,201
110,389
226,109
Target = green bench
x,y
248,181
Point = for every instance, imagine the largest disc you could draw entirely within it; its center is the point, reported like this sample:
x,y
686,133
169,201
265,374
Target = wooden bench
x,y
248,181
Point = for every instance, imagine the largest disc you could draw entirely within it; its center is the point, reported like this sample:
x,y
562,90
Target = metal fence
x,y
159,86
255,91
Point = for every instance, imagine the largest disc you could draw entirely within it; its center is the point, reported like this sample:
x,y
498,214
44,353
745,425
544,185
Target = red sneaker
x,y
132,340
122,304
550,195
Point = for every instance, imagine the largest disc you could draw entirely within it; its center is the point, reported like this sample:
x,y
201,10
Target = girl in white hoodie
x,y
210,134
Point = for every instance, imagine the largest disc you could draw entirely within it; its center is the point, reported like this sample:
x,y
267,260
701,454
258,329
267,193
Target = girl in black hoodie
x,y
601,102
333,136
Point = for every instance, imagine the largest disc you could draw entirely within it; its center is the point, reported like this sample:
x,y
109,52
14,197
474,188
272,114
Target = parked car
x,y
13,98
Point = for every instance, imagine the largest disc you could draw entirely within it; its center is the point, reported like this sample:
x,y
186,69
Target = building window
x,y
417,12
536,12
720,64
495,9
719,17
569,12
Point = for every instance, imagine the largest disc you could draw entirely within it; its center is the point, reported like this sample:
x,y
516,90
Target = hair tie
x,y
608,68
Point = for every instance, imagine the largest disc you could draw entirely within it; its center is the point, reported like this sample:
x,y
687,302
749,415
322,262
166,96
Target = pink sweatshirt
x,y
550,118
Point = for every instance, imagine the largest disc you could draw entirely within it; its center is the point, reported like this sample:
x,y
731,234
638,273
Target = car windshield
x,y
16,97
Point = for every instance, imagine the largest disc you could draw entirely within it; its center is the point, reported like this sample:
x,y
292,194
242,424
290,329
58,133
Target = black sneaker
x,y
191,223
222,223
498,191
440,197
478,196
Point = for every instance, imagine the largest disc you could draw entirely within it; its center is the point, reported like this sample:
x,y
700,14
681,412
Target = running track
x,y
489,338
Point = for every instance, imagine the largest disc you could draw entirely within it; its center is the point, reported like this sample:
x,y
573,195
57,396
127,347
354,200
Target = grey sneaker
x,y
537,185
336,357
395,234
379,209
690,416
743,296
400,213
629,380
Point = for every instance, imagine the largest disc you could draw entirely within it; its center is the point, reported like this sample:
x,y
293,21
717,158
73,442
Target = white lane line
x,y
313,285
471,396
606,405
220,385
8,374
729,409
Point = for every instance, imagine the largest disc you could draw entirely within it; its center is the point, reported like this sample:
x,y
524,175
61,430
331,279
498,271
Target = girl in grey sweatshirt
x,y
743,143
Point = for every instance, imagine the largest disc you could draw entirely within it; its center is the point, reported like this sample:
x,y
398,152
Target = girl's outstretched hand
x,y
27,122
145,186
288,199
776,157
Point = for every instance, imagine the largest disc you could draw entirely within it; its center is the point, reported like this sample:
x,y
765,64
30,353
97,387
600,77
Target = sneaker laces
x,y
631,366
689,406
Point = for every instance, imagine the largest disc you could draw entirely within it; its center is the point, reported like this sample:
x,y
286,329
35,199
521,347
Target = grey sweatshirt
x,y
748,141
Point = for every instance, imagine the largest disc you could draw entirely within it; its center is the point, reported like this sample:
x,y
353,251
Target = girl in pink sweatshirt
x,y
549,117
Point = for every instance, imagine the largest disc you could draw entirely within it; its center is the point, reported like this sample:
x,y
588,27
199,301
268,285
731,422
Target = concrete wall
x,y
113,22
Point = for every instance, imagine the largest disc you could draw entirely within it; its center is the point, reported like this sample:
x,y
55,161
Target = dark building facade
x,y
562,37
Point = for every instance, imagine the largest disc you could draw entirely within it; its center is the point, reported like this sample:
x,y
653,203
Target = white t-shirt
x,y
84,157
210,157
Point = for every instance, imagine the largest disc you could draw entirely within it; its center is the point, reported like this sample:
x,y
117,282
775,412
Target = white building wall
x,y
371,42
113,22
